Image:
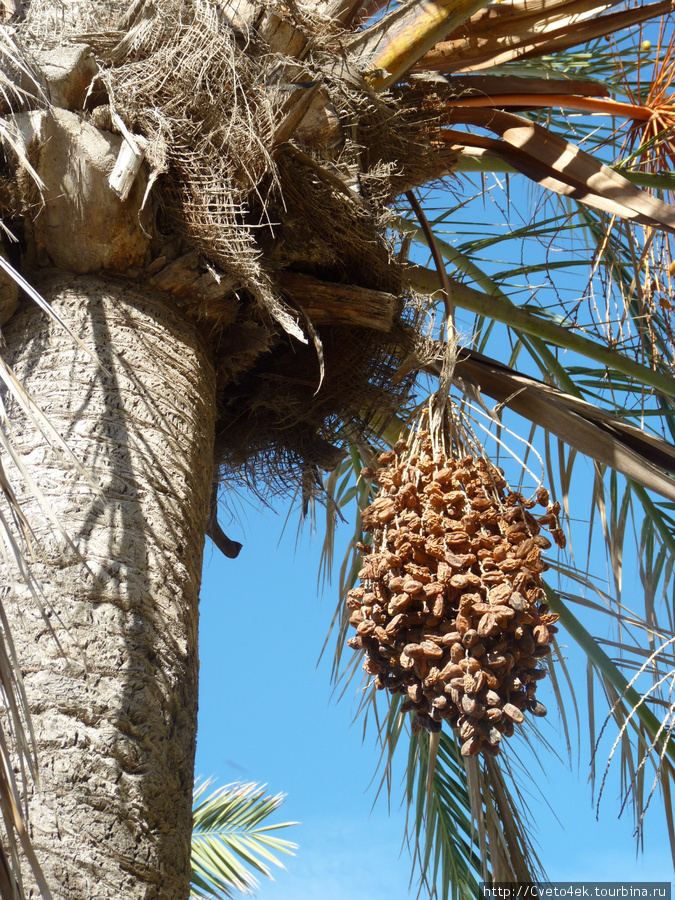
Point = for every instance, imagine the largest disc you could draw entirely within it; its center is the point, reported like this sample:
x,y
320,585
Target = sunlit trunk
x,y
112,681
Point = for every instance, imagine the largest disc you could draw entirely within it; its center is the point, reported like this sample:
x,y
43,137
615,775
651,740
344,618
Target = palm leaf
x,y
519,30
393,44
230,840
481,159
425,281
556,164
603,662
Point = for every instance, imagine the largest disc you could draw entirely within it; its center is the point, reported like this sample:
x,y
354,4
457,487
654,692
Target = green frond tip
x,y
604,664
230,840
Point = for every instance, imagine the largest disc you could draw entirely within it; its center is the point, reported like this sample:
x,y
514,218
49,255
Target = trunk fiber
x,y
112,679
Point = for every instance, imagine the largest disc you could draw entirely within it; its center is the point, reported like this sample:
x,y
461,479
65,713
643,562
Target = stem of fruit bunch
x,y
446,292
438,262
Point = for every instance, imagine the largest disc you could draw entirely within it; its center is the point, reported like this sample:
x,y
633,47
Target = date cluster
x,y
450,608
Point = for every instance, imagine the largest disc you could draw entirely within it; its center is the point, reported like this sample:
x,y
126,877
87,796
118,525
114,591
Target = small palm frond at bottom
x,y
230,841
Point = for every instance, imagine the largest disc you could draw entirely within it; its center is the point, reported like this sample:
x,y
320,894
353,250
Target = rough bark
x,y
114,702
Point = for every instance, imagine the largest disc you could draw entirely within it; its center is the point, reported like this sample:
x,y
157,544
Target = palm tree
x,y
201,193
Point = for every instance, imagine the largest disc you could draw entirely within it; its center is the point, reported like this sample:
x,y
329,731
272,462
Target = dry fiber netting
x,y
214,104
451,609
270,164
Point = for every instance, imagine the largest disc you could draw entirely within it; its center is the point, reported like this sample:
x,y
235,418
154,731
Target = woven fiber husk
x,y
255,200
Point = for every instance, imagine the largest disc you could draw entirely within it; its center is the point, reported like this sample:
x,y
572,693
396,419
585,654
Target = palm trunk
x,y
112,686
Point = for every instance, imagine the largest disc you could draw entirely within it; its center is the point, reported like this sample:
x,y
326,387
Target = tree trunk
x,y
112,683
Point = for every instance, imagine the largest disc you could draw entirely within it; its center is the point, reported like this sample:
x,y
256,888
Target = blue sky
x,y
268,713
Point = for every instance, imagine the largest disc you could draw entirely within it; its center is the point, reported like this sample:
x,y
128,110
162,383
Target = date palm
x,y
203,193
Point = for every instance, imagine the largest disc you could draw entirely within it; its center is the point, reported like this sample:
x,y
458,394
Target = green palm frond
x,y
643,728
230,841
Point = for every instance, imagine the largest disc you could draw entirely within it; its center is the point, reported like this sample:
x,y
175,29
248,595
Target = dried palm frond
x,y
507,32
391,47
